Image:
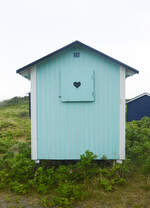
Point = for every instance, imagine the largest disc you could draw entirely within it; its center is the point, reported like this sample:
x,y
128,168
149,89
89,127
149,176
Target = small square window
x,y
76,54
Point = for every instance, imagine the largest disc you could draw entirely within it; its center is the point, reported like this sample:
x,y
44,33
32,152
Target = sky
x,y
30,29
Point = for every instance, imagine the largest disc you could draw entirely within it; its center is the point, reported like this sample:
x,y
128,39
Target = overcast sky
x,y
30,29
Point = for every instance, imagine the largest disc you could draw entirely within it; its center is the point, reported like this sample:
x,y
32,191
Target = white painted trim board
x,y
33,115
122,112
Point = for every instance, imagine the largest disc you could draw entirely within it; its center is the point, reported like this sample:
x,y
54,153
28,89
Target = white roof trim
x,y
145,93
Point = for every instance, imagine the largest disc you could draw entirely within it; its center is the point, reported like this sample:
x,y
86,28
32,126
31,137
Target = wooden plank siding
x,y
66,129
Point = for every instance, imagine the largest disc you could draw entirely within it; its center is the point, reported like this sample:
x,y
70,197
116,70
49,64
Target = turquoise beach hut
x,y
77,104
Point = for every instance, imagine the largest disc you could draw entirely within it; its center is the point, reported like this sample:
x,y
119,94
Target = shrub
x,y
46,202
106,184
19,188
63,173
5,144
138,143
44,180
110,178
86,167
68,193
146,166
24,149
4,178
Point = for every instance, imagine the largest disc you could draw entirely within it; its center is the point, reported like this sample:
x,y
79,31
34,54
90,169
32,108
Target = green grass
x,y
84,184
14,126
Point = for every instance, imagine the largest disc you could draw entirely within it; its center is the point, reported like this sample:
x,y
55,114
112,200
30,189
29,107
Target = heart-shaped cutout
x,y
77,84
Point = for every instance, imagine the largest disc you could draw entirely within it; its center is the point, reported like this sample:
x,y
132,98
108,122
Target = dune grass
x,y
90,185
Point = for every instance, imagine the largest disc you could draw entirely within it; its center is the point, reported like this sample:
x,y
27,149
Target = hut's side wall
x,y
66,129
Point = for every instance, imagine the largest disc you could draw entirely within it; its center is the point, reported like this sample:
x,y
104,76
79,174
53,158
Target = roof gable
x,y
139,96
78,43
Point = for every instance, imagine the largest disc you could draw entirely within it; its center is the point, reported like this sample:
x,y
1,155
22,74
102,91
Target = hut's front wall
x,y
64,130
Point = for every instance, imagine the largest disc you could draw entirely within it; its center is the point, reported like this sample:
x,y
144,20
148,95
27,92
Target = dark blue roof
x,y
76,43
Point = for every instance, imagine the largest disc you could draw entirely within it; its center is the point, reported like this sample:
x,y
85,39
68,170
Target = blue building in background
x,y
138,107
77,104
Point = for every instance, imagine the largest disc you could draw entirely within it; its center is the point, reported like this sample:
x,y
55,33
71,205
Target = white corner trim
x,y
33,115
122,112
139,96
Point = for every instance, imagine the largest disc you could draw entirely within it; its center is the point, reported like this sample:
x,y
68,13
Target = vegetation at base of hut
x,y
86,183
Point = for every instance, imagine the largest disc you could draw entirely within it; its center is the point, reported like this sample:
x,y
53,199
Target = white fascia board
x,y
33,114
122,112
139,96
